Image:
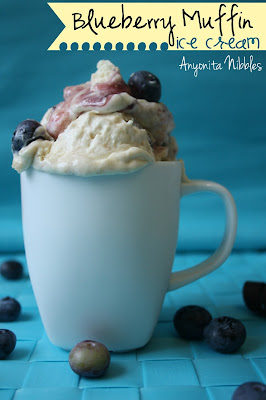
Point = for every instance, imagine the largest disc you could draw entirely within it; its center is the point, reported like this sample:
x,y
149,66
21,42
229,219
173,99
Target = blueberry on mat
x,y
9,309
190,321
250,391
145,85
89,359
7,342
11,270
254,294
225,334
263,302
26,132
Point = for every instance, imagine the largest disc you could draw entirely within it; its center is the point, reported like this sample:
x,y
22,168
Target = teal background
x,y
219,116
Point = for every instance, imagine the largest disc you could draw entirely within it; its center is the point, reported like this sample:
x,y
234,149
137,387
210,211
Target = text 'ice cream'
x,y
103,126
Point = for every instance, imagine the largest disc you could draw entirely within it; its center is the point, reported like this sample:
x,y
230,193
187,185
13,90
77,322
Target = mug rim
x,y
156,164
161,164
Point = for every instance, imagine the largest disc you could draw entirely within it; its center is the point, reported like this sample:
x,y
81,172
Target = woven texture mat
x,y
168,368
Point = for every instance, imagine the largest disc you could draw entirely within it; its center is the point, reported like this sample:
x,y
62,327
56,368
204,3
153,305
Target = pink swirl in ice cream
x,y
102,97
100,128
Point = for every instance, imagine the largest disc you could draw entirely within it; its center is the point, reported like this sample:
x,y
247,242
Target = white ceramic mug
x,y
100,250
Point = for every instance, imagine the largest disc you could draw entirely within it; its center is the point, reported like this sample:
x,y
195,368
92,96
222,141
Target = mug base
x,y
126,350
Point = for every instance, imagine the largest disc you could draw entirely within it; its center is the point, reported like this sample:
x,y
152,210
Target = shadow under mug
x,y
100,250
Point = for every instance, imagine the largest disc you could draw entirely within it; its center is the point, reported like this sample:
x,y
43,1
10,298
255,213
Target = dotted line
x,y
109,46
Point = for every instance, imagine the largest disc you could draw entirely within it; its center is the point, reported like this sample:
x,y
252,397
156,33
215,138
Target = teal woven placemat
x,y
167,368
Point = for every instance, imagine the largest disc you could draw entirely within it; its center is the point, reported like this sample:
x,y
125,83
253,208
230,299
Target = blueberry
x,y
254,294
7,342
11,270
89,358
225,334
26,132
250,391
9,309
144,85
189,321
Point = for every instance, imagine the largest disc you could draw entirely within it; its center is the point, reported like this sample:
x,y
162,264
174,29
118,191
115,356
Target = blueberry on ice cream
x,y
102,126
26,132
144,85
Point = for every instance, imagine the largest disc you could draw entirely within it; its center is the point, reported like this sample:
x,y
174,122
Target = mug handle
x,y
183,277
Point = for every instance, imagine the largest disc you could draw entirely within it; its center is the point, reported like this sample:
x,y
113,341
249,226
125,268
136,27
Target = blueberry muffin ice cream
x,y
103,126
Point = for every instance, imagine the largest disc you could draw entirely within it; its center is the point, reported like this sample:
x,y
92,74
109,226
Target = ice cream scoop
x,y
100,128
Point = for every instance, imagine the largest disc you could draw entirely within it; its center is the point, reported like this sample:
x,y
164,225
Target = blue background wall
x,y
219,116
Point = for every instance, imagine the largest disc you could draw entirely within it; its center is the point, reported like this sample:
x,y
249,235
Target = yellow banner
x,y
175,26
